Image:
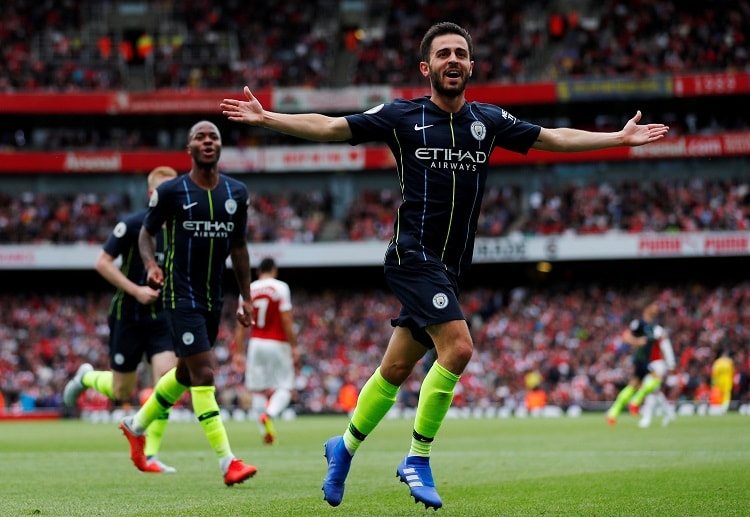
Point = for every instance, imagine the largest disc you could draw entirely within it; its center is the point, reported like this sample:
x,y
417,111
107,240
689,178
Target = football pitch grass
x,y
700,465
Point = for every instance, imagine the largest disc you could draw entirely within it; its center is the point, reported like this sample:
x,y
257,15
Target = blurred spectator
x,y
289,43
639,39
666,205
570,335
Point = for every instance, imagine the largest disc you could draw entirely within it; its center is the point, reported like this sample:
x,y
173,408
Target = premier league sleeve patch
x,y
374,109
154,199
120,230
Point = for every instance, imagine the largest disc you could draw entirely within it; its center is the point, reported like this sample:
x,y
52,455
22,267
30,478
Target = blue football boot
x,y
415,471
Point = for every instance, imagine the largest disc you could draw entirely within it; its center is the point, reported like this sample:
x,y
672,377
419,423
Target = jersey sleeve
x,y
156,214
123,235
243,203
115,243
512,133
374,125
285,297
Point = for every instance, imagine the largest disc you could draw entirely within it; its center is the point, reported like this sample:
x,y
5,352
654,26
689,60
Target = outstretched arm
x,y
310,126
575,140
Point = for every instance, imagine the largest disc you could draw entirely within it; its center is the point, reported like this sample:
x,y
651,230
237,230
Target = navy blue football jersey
x,y
442,161
123,241
639,328
200,226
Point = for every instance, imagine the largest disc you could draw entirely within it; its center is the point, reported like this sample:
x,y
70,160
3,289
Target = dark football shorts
x,y
193,331
130,340
428,296
640,368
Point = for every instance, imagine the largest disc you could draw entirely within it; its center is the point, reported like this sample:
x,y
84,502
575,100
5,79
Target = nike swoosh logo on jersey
x,y
417,127
191,205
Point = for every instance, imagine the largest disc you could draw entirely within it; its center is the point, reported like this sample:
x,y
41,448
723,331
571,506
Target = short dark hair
x,y
440,29
267,265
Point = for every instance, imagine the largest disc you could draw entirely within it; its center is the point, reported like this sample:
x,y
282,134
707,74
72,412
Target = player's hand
x,y
634,134
245,312
155,278
146,295
247,112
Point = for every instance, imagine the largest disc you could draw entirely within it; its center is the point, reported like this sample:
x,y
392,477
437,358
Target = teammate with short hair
x,y
441,144
641,335
272,350
137,324
205,214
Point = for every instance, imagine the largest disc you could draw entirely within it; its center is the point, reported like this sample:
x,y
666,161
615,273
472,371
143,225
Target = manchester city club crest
x,y
478,130
230,206
440,301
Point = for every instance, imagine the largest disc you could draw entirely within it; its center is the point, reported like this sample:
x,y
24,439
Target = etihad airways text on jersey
x,y
454,155
209,228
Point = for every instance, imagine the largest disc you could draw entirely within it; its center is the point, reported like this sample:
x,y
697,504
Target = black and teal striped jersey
x,y
442,161
123,242
200,226
639,328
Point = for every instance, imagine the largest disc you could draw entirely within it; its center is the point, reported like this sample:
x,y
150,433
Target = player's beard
x,y
445,91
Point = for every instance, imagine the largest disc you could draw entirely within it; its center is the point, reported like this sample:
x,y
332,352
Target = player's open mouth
x,y
453,74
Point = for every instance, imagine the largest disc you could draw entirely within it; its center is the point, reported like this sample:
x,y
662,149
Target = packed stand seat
x,y
35,218
636,206
186,45
570,335
638,39
506,36
295,43
628,206
288,216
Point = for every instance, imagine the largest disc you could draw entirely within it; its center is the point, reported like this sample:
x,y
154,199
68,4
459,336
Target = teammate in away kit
x,y
137,325
652,357
272,350
205,216
441,144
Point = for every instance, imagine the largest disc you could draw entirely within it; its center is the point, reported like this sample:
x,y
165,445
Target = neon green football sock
x,y
375,400
435,397
207,410
622,398
649,386
101,381
166,392
155,433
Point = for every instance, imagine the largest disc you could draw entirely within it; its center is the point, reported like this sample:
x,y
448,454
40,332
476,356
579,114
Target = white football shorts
x,y
269,365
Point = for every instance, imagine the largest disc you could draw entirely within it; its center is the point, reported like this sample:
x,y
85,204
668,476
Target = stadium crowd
x,y
634,206
638,39
222,44
568,335
46,48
